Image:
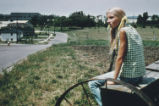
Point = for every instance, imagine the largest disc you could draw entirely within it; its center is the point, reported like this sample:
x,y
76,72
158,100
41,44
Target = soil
x,y
98,56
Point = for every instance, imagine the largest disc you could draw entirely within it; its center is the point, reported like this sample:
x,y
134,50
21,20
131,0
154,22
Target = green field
x,y
147,34
43,77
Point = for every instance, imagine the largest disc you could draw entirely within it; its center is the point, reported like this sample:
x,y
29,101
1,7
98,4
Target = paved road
x,y
9,55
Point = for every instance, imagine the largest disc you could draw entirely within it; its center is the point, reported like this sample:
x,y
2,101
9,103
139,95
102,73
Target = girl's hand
x,y
110,82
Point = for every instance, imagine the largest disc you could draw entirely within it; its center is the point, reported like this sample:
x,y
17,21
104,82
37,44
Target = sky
x,y
66,7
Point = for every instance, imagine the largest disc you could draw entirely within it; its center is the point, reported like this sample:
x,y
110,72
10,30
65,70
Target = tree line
x,y
75,20
81,20
146,20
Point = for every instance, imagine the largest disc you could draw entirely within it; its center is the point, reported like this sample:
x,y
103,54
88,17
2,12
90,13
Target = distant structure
x,y
23,16
14,32
132,19
11,35
15,26
100,17
6,23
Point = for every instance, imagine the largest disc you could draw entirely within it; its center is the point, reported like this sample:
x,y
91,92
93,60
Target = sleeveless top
x,y
133,65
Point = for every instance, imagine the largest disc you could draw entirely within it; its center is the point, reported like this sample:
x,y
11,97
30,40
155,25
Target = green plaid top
x,y
134,64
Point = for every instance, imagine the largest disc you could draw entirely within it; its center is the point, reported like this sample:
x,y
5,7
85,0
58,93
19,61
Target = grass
x,y
149,34
151,43
88,34
95,36
102,34
41,78
44,76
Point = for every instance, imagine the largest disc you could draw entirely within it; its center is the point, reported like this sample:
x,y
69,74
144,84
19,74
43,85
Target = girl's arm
x,y
121,53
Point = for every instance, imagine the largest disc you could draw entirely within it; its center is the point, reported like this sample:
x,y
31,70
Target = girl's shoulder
x,y
128,28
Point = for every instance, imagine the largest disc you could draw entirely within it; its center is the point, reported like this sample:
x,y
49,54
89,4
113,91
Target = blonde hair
x,y
115,32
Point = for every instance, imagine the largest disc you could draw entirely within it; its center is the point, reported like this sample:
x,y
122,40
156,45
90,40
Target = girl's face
x,y
112,20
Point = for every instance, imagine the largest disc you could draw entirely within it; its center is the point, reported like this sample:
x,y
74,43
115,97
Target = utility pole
x,y
98,18
54,26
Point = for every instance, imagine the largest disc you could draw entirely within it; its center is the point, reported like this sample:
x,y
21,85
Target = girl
x,y
127,43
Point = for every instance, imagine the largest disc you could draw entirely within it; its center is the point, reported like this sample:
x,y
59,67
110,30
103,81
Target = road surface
x,y
10,55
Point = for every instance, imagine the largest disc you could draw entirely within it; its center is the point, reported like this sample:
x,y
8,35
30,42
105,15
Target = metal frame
x,y
138,92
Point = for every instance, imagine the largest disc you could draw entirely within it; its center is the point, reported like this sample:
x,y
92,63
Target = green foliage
x,y
142,20
151,43
81,20
35,20
154,21
145,16
76,19
89,42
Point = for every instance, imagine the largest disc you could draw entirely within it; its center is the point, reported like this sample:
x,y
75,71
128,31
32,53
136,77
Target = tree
x,y
142,20
139,20
43,22
145,17
155,17
81,20
35,21
155,20
63,22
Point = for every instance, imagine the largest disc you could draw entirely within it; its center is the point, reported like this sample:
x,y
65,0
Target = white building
x,y
132,19
12,35
5,23
100,17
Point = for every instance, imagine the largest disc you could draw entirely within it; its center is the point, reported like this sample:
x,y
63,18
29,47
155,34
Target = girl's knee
x,y
91,84
96,83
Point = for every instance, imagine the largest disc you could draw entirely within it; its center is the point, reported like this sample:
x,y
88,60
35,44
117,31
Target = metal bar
x,y
157,70
86,94
106,86
68,101
141,94
58,102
